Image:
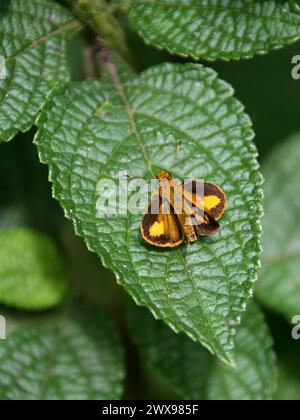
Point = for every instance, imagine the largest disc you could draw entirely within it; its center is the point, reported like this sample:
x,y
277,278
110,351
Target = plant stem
x,y
123,6
97,15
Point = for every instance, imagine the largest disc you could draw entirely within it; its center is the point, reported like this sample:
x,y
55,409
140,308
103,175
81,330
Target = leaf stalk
x,y
98,16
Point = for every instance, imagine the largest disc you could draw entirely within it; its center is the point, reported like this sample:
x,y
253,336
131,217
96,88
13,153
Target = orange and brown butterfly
x,y
198,214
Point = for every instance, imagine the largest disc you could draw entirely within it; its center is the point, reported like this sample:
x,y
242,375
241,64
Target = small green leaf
x,y
216,29
195,374
31,273
33,36
279,285
93,129
76,356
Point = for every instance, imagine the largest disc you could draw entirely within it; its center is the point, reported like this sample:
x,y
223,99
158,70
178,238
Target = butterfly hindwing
x,y
214,198
161,229
208,227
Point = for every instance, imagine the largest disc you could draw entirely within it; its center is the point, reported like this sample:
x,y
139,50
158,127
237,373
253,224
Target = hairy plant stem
x,y
97,15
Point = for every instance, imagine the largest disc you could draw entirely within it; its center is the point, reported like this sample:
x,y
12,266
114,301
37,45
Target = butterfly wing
x,y
210,209
161,229
214,198
208,227
214,201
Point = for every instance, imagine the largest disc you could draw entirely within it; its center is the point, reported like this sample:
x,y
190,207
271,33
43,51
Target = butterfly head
x,y
163,175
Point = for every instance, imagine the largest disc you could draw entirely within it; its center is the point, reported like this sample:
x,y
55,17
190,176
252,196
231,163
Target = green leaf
x,y
216,29
183,363
33,37
32,276
279,285
95,129
195,374
76,356
255,377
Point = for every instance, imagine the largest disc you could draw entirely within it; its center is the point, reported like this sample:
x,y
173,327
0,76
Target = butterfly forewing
x,y
161,228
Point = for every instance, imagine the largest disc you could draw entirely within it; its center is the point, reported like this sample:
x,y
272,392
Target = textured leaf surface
x,y
214,29
95,129
72,357
32,276
195,374
279,285
33,36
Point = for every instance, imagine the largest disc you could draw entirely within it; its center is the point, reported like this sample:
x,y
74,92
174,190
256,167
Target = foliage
x,y
281,262
33,39
66,357
31,273
122,120
129,119
213,29
195,374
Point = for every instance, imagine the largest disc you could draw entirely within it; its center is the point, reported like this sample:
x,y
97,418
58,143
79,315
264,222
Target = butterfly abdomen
x,y
190,233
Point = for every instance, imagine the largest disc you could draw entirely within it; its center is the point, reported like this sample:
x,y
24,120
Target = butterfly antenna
x,y
132,177
177,150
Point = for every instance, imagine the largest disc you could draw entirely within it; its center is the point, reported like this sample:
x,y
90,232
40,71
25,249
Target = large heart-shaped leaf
x,y
279,284
33,36
213,29
194,374
75,356
95,129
